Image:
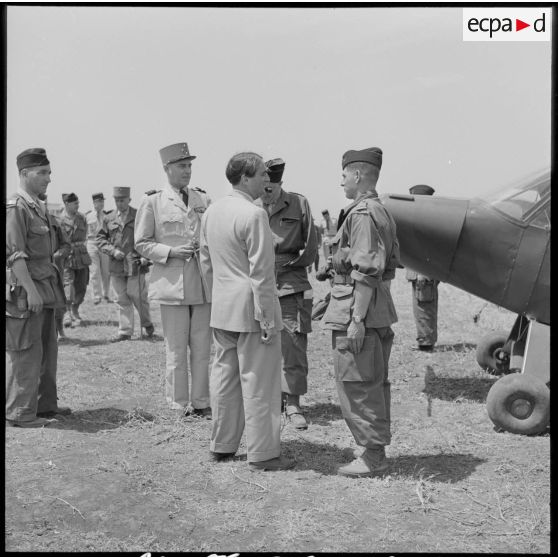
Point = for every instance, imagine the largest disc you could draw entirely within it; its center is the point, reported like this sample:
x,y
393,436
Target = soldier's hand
x,y
268,335
355,335
144,262
183,252
34,300
118,254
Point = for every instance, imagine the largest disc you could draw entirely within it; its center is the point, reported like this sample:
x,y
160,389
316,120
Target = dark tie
x,y
184,194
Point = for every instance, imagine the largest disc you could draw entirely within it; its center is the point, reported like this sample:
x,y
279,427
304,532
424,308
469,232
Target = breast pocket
x,y
173,225
289,222
39,239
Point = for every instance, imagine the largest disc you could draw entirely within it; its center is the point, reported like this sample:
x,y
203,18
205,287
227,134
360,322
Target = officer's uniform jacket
x,y
294,241
76,231
164,221
94,223
62,246
29,235
117,235
365,249
236,254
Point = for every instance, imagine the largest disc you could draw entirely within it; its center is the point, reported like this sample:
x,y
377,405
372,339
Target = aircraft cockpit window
x,y
542,218
518,200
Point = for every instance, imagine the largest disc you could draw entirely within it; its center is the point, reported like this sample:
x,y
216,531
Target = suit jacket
x,y
238,264
162,222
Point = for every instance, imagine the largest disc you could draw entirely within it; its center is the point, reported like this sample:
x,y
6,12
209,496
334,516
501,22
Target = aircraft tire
x,y
519,404
486,353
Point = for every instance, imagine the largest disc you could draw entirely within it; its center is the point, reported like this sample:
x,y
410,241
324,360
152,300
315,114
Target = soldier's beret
x,y
69,198
34,157
98,196
175,152
121,192
275,169
421,189
371,155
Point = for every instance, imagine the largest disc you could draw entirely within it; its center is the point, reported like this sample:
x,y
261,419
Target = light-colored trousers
x,y
246,393
99,271
187,326
130,292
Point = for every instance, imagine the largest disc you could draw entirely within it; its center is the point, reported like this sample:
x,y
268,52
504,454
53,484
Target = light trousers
x,y
99,271
187,326
130,292
246,394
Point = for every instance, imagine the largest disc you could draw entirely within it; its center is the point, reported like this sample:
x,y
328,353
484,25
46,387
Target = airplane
x,y
497,248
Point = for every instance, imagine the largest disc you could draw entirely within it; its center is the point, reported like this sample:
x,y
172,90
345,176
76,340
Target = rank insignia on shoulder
x,y
199,209
151,192
199,190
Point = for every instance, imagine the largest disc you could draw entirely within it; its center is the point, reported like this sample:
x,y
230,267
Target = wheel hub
x,y
521,408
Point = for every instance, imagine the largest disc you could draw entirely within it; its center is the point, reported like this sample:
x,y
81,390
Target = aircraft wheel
x,y
519,404
490,355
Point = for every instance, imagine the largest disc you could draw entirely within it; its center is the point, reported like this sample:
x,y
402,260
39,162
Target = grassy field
x,y
125,474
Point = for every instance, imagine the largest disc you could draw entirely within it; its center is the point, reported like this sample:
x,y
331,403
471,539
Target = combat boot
x,y
61,336
76,318
294,412
370,463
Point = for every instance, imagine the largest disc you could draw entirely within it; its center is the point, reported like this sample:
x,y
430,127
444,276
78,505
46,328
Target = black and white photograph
x,y
278,278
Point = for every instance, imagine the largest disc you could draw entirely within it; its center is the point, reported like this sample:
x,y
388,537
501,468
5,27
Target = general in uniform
x,y
34,289
239,265
365,256
100,276
76,265
425,294
295,245
127,268
168,233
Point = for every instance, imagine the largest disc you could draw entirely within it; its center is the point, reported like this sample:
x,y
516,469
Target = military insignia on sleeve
x,y
199,209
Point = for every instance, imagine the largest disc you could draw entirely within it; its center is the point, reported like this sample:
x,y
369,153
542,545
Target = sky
x,y
102,89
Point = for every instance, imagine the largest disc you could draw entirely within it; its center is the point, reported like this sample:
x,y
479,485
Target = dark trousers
x,y
75,284
425,311
31,362
297,323
363,385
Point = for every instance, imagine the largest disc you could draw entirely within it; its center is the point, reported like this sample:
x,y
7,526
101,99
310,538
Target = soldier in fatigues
x,y
168,233
33,291
361,311
100,277
76,267
295,245
127,267
425,295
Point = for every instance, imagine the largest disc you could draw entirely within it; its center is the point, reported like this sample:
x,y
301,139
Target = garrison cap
x,y
121,192
275,169
372,155
69,198
421,189
34,157
98,196
175,152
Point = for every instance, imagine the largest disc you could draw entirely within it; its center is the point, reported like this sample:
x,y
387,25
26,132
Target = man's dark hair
x,y
245,163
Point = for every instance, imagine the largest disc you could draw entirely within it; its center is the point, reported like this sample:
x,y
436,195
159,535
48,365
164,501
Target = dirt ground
x,y
125,474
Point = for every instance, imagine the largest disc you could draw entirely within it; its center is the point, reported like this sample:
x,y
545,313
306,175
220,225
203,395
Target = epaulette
x,y
12,202
88,211
151,192
107,211
198,190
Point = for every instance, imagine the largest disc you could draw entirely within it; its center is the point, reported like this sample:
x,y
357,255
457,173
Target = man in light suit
x,y
239,263
168,233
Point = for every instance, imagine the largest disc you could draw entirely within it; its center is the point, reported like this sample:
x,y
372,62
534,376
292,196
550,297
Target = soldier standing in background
x,y
295,245
100,277
168,233
33,291
127,267
76,270
365,255
425,295
329,228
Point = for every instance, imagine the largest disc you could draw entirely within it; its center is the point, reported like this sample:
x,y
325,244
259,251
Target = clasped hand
x,y
355,336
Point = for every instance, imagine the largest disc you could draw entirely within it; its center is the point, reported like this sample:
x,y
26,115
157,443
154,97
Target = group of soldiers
x,y
234,272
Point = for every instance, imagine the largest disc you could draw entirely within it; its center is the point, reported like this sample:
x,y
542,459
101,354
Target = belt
x,y
78,243
285,258
340,279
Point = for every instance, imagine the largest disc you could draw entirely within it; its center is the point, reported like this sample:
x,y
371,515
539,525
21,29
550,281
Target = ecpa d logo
x,y
507,24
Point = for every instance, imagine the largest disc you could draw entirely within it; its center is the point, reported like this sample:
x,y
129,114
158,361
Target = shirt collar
x,y
240,194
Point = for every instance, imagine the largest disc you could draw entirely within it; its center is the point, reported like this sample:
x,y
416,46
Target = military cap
x,y
69,198
121,192
275,169
175,152
34,157
325,211
372,155
421,189
98,196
